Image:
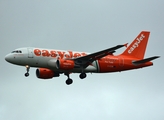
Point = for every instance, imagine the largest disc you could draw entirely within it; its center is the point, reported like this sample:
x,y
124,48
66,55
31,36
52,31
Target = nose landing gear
x,y
27,69
26,74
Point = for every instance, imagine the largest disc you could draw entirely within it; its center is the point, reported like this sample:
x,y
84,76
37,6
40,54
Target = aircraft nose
x,y
8,58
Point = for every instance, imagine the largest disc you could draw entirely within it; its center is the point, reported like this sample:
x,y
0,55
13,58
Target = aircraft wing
x,y
84,61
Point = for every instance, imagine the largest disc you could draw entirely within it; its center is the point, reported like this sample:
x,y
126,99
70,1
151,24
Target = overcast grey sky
x,y
85,25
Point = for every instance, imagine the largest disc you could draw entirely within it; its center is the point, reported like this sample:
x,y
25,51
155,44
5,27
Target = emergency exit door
x,y
30,52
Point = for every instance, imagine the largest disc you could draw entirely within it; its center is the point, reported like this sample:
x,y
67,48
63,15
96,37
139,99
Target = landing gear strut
x,y
69,80
27,69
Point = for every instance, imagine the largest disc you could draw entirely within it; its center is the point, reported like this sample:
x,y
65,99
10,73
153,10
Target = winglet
x,y
126,45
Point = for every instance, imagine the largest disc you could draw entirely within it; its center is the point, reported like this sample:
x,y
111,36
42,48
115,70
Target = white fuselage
x,y
45,58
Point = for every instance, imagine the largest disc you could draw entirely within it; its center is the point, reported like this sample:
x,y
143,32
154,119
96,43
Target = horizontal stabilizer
x,y
138,62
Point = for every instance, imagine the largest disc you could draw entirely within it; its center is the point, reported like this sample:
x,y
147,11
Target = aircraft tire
x,y
83,75
69,81
26,74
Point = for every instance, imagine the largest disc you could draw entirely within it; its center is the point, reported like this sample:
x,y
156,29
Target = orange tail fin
x,y
138,46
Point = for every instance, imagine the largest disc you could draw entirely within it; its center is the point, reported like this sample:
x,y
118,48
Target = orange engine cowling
x,y
65,64
45,73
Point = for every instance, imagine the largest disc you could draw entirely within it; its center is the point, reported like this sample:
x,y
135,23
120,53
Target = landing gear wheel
x,y
83,75
27,69
69,81
26,74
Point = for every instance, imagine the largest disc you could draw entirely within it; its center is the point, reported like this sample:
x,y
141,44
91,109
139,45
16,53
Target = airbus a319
x,y
51,63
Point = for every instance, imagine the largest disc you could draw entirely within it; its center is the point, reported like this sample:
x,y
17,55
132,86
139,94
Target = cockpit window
x,y
17,51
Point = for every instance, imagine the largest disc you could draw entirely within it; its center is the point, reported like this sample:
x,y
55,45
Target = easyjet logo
x,y
136,44
58,54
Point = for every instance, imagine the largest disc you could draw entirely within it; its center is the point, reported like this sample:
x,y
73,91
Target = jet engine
x,y
45,73
65,64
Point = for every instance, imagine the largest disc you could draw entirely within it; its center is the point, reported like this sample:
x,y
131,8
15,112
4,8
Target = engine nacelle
x,y
45,73
65,64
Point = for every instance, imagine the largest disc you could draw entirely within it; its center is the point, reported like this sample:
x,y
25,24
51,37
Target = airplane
x,y
51,63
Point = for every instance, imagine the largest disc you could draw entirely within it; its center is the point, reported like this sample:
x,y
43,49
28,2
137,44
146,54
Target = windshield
x,y
17,51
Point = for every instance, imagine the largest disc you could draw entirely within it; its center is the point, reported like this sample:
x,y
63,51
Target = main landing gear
x,y
70,81
27,69
83,75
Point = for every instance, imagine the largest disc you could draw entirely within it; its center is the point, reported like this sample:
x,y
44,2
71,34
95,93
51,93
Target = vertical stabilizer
x,y
138,46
